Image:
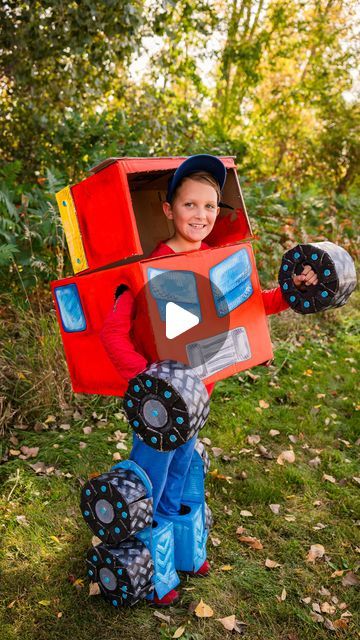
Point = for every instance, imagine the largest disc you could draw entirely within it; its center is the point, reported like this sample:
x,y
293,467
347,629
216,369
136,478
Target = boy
x,y
192,203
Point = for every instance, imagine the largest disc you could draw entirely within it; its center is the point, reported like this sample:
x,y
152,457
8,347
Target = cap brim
x,y
200,162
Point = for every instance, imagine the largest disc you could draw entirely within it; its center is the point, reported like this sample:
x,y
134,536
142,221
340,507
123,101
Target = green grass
x,y
37,559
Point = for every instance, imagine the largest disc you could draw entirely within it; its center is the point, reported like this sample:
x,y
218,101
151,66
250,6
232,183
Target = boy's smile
x,y
193,212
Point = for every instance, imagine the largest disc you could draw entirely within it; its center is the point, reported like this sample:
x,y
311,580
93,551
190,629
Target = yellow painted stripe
x,y
72,231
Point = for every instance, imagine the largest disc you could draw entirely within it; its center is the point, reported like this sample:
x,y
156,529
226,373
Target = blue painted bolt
x,y
296,255
103,509
64,203
119,505
285,267
148,383
86,513
94,558
101,532
285,286
88,492
153,439
306,304
124,595
91,573
103,488
78,260
119,572
115,603
107,580
124,514
327,272
173,438
155,413
179,420
292,298
324,294
135,423
129,403
124,588
108,560
314,256
117,530
167,394
136,388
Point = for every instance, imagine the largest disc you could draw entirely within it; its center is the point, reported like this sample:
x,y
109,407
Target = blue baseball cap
x,y
200,162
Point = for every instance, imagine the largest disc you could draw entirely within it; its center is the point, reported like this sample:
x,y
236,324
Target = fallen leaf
x,y
290,518
263,404
59,614
316,616
228,623
254,543
315,462
275,508
350,580
306,600
316,607
308,372
273,432
65,427
319,526
293,439
329,478
162,616
215,541
206,441
255,439
82,445
340,624
356,479
116,456
203,610
326,607
29,452
11,604
50,419
271,564
282,596
55,539
94,589
22,520
240,531
179,632
329,625
87,430
121,445
337,573
265,453
246,514
316,551
95,541
14,452
44,603
226,567
286,456
324,592
217,451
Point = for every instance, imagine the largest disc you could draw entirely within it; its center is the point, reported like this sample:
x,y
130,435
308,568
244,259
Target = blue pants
x,y
167,471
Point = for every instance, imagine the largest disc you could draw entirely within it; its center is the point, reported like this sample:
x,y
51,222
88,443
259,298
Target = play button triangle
x,y
178,320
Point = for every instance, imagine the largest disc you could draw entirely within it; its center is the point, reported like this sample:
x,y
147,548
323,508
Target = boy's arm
x,y
115,336
274,301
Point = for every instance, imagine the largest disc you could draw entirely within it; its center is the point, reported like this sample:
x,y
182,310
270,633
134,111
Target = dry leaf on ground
x,y
275,508
271,564
282,596
253,439
254,543
162,616
286,456
94,589
203,610
263,404
87,430
329,478
226,567
246,514
350,580
179,632
217,451
274,432
316,551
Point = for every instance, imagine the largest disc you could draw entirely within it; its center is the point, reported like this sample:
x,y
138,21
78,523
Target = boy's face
x,y
193,210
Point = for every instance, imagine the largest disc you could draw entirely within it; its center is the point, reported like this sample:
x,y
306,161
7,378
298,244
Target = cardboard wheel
x,y
167,404
336,274
114,505
123,574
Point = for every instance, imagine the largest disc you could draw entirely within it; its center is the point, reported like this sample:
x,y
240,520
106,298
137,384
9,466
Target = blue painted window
x,y
71,311
178,287
230,282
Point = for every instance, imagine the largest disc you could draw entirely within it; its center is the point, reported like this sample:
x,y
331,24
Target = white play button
x,y
178,320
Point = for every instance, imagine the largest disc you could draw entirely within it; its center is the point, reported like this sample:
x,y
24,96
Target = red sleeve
x,y
115,336
274,301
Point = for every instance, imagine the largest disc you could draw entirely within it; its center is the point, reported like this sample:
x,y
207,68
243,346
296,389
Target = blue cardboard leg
x,y
160,541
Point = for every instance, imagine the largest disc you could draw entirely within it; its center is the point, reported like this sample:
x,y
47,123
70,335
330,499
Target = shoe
x,y
202,572
170,598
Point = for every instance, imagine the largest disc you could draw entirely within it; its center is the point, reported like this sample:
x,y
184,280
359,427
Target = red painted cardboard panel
x,y
106,218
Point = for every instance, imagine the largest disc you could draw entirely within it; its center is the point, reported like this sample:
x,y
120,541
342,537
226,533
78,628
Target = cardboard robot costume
x,y
111,220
